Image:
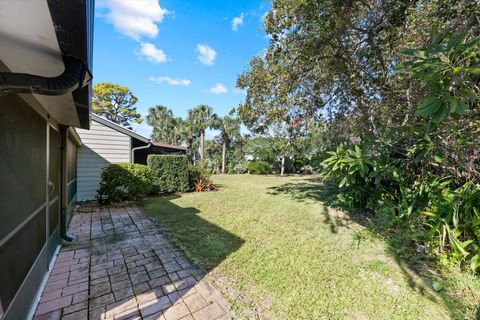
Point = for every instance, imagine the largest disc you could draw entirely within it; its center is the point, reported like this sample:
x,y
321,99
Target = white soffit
x,y
28,44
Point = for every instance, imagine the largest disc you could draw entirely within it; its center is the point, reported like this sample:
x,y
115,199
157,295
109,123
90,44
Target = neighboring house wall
x,y
101,146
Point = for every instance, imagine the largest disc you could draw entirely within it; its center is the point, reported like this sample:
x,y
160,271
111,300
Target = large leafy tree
x,y
202,118
322,55
337,60
262,148
229,127
116,103
166,127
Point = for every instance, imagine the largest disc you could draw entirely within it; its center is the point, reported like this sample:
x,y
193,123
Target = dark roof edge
x,y
73,22
167,145
119,128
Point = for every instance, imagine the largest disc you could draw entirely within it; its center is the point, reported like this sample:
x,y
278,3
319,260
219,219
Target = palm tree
x,y
202,118
165,125
177,135
188,132
229,129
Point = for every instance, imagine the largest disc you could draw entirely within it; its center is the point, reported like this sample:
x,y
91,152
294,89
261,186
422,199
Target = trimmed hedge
x,y
259,167
170,172
124,181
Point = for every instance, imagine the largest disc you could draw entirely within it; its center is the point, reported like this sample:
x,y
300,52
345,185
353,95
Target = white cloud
x,y
134,18
152,53
237,22
206,55
170,81
218,88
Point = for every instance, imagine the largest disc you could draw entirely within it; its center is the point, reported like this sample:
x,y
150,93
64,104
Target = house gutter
x,y
76,75
140,148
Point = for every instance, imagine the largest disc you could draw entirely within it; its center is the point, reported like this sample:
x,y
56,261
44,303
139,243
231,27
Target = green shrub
x,y
351,171
432,210
170,172
453,220
195,173
238,167
259,167
124,181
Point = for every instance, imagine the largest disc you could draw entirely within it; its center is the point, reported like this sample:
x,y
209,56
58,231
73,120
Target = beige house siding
x,y
101,145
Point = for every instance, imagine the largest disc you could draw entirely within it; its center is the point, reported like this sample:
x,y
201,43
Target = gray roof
x,y
119,128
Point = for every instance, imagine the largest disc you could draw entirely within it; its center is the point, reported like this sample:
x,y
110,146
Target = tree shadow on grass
x,y
417,268
332,222
205,243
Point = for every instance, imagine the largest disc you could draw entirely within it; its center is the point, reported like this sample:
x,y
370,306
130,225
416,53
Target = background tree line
x,y
229,151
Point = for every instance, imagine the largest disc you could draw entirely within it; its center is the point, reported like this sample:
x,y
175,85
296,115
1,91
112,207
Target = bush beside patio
x,y
163,174
124,182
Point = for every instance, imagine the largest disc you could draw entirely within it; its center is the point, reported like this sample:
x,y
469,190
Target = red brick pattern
x,y
121,265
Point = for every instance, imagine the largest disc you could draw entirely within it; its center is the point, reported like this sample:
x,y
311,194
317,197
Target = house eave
x,y
35,36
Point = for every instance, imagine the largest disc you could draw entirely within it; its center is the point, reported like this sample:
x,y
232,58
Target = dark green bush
x,y
259,167
124,181
170,172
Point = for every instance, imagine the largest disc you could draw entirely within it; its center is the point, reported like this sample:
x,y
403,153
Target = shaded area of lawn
x,y
207,244
297,258
419,270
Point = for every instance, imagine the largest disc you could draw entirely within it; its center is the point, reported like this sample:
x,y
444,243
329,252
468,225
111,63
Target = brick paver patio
x,y
122,266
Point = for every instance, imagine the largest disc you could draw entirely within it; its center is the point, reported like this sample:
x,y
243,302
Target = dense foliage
x,y
170,172
124,181
445,195
390,90
116,103
259,167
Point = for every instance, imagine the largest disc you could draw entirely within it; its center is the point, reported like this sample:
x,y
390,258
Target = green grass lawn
x,y
299,259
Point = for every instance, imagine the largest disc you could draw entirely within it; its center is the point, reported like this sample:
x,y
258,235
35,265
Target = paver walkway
x,y
121,265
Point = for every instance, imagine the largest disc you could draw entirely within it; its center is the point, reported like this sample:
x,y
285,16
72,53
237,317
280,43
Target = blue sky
x,y
177,53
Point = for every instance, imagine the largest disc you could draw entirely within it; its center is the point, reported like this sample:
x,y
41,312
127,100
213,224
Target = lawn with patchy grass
x,y
299,259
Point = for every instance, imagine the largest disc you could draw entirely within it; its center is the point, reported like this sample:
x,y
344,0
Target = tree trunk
x,y
224,156
202,145
282,169
190,150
